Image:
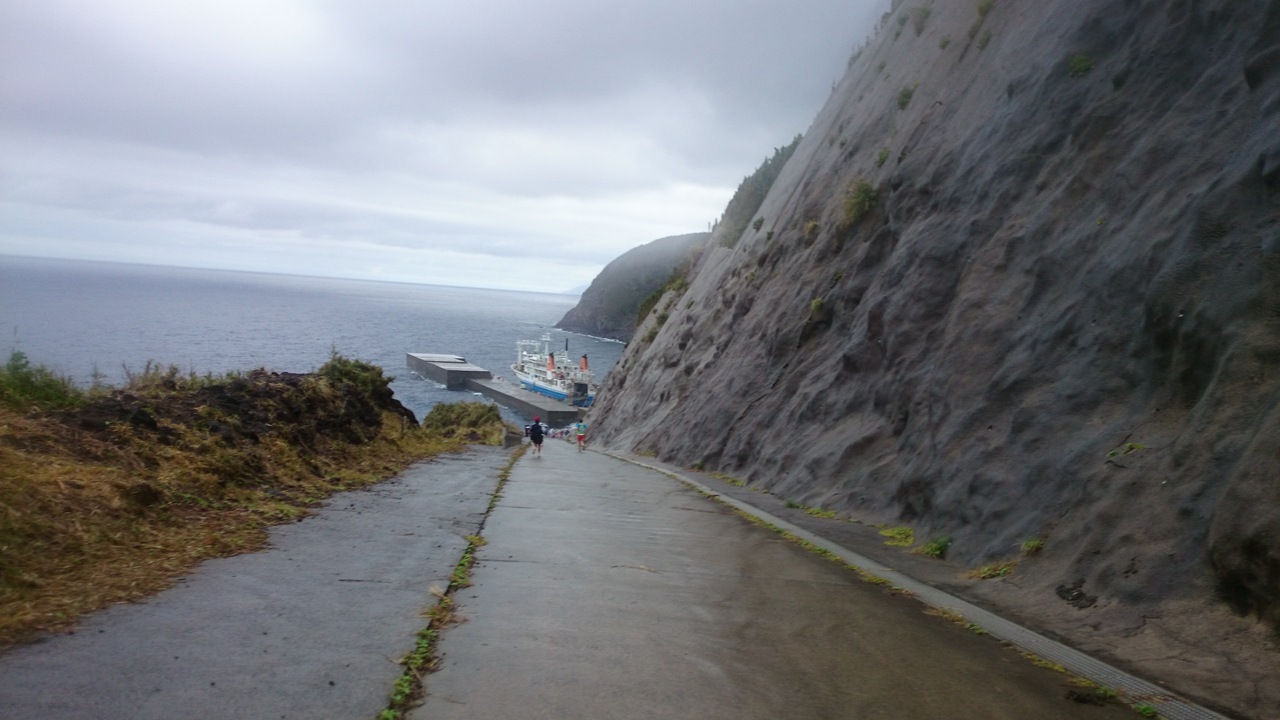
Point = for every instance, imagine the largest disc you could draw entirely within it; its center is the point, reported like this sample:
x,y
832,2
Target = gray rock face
x,y
608,307
1021,279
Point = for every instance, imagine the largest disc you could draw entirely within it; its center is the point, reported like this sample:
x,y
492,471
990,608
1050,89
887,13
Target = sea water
x,y
88,320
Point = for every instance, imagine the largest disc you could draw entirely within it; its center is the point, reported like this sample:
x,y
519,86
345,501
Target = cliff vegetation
x,y
627,289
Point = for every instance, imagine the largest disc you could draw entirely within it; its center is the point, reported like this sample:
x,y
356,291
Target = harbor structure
x,y
455,373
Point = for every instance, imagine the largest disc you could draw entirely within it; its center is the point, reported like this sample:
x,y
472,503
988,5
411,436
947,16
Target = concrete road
x,y
607,591
310,628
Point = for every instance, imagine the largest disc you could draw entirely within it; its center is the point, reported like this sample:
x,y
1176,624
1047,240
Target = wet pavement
x,y
607,590
604,590
310,628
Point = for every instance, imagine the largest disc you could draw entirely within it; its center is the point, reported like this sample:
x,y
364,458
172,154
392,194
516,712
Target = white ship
x,y
544,371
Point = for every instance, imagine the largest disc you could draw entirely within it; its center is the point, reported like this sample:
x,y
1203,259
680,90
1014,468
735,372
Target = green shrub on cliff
x,y
23,387
983,7
860,198
936,548
368,378
1079,65
1032,546
811,230
677,283
919,16
904,96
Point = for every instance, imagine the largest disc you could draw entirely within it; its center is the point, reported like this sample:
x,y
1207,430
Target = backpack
x,y
535,431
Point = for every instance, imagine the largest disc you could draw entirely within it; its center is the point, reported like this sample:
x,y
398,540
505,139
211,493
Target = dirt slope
x,y
1051,311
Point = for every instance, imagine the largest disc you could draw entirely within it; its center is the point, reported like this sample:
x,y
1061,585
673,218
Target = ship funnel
x,y
584,362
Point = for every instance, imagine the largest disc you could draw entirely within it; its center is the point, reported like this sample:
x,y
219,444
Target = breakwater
x,y
455,373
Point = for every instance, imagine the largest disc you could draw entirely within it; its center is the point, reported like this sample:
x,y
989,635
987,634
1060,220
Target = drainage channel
x,y
1135,689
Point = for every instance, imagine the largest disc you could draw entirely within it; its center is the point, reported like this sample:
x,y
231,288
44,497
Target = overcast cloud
x,y
517,144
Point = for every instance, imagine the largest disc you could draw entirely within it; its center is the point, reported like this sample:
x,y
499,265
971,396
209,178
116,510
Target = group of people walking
x,y
537,432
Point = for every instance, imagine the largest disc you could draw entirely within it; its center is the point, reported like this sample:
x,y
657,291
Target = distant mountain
x,y
609,306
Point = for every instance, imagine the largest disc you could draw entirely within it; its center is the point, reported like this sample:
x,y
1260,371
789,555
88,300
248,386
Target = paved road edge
x,y
1135,689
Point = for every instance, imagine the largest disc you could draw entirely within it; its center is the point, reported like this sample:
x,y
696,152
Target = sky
x,y
513,144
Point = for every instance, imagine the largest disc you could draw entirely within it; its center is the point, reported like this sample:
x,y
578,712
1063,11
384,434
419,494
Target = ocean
x,y
86,319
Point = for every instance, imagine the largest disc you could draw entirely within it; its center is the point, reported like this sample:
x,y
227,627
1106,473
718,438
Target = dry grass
x,y
101,512
994,570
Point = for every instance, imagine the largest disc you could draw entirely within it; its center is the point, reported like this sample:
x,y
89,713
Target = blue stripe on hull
x,y
554,394
545,391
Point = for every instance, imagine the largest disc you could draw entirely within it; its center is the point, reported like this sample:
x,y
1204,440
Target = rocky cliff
x,y
1019,281
608,307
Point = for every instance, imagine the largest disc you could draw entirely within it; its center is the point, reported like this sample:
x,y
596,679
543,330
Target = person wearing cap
x,y
535,435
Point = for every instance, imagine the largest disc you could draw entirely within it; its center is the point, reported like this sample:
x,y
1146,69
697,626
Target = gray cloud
x,y
408,140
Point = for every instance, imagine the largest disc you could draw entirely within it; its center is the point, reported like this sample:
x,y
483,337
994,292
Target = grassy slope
x,y
107,496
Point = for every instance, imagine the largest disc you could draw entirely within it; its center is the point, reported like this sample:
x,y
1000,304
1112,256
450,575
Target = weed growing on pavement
x,y
866,576
729,479
792,538
1041,662
504,476
462,571
809,510
946,614
409,687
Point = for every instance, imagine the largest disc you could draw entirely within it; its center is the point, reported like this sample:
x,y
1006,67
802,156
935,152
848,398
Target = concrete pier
x,y
451,371
455,373
509,394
